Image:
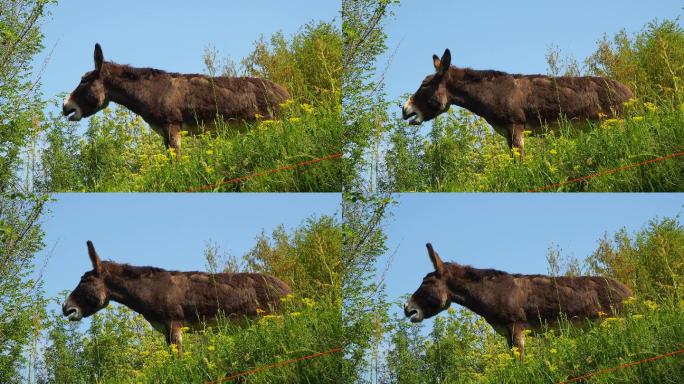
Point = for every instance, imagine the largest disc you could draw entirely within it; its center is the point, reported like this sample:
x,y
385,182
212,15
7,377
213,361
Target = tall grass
x,y
462,348
121,347
462,153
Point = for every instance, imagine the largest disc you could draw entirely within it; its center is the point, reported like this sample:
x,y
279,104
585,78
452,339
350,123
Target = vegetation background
x,y
460,347
119,152
460,152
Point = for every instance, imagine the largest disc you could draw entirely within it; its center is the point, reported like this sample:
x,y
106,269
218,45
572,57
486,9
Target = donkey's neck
x,y
129,291
465,293
467,90
125,89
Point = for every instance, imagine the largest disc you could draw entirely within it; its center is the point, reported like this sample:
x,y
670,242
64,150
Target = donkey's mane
x,y
473,273
145,73
134,271
489,74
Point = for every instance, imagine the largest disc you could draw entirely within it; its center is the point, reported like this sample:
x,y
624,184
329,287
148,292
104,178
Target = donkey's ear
x,y
98,56
444,62
436,62
94,258
434,257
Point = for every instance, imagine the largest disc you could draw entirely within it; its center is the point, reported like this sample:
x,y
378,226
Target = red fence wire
x,y
263,173
622,366
275,365
607,172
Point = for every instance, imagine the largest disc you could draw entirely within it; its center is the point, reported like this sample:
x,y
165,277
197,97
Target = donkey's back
x,y
242,294
577,297
576,98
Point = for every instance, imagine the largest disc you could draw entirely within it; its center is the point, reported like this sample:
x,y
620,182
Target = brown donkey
x,y
514,103
512,303
171,102
170,300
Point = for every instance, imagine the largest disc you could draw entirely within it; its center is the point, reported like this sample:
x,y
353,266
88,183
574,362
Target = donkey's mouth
x,y
73,114
72,314
415,117
414,316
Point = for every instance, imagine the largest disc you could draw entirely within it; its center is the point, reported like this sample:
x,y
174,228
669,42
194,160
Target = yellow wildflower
x,y
553,169
516,352
651,305
187,354
650,106
629,300
609,320
637,317
553,351
307,108
527,132
308,302
211,348
294,119
174,348
629,102
610,122
516,151
209,152
211,365
637,118
295,314
286,103
553,151
259,311
183,133
451,310
287,297
601,314
184,329
602,115
258,116
209,169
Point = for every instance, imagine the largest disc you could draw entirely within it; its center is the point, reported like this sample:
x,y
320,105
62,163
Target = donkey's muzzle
x,y
405,114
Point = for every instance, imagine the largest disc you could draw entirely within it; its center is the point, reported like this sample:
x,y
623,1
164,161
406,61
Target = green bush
x,y
462,348
461,153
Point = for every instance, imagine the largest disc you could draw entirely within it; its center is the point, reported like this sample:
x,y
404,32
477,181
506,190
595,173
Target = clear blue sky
x,y
164,230
169,35
510,232
511,36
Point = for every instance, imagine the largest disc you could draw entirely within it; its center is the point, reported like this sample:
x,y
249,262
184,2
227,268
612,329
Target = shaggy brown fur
x,y
514,103
171,102
512,303
170,300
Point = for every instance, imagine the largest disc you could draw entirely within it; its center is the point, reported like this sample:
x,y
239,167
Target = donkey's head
x,y
432,98
91,95
90,294
433,295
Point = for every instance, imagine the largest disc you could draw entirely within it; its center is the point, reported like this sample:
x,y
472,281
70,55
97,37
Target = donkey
x,y
170,300
171,102
512,303
512,104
